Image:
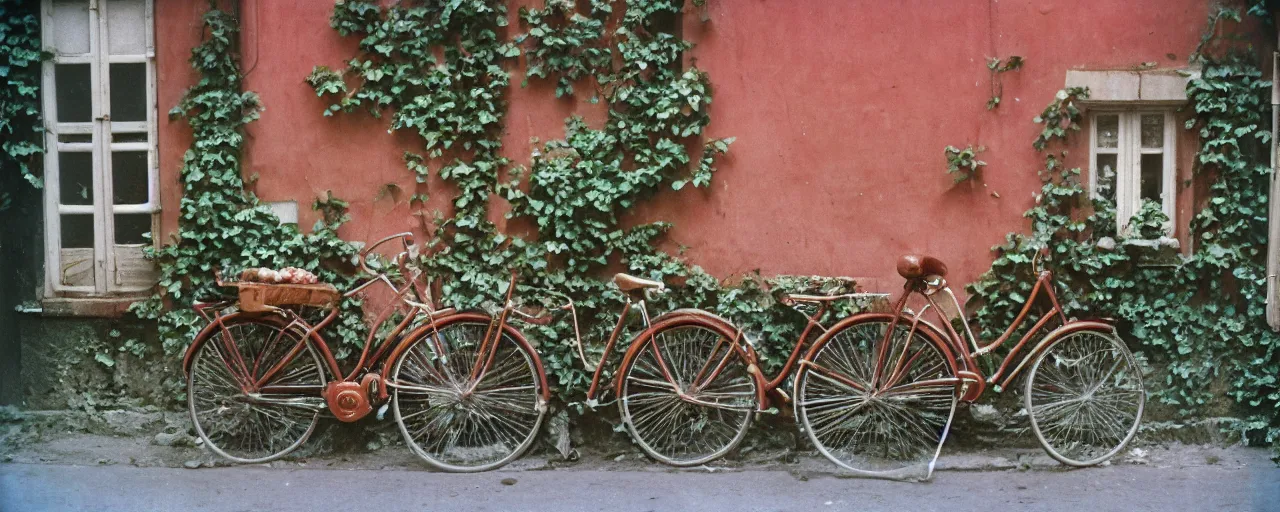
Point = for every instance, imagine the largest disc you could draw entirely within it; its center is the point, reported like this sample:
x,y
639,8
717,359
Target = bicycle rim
x,y
719,396
231,423
887,424
459,424
1085,398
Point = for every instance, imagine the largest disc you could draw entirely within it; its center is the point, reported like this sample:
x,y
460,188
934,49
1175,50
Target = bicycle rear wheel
x,y
876,405
459,423
257,425
686,396
1085,398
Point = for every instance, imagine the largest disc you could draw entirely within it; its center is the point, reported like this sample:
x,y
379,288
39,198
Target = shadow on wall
x,y
20,276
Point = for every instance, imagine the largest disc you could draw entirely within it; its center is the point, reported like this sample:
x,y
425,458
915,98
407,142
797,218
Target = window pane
x,y
74,95
129,177
77,231
75,137
126,28
1153,131
130,228
129,92
1153,177
77,267
133,270
75,178
1106,177
71,26
1108,131
129,137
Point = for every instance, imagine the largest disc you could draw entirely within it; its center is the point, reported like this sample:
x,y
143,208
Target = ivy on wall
x,y
997,67
20,127
963,164
566,44
1201,321
221,225
437,68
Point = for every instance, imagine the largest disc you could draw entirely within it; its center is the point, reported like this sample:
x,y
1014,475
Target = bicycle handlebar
x,y
407,238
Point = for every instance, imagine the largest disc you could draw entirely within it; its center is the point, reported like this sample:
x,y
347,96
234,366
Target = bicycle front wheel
x,y
1085,398
878,405
460,420
236,418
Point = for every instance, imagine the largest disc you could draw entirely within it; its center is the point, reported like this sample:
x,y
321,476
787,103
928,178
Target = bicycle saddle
x,y
629,283
917,266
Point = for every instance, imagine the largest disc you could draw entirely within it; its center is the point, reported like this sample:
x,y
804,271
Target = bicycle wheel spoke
x,y
244,427
687,398
652,383
459,423
1085,398
892,429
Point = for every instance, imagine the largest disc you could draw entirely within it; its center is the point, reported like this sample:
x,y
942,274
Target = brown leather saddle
x,y
635,286
918,266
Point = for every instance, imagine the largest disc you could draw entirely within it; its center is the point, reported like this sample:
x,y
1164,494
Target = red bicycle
x,y
877,391
466,389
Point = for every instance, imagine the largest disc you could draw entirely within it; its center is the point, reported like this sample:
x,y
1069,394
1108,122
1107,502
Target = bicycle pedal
x,y
382,411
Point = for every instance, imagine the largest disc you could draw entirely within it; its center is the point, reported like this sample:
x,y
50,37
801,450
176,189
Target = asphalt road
x,y
39,487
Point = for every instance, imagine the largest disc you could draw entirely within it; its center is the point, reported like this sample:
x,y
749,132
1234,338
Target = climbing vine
x,y
438,68
997,67
221,225
20,126
963,164
1200,322
566,44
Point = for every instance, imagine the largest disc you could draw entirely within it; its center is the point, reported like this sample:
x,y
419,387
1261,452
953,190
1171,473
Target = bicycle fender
x,y
217,323
1054,337
693,316
516,335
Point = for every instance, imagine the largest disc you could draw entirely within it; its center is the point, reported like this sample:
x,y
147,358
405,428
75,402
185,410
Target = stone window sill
x,y
84,307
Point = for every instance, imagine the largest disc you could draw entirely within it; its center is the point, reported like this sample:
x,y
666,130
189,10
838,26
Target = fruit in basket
x,y
287,275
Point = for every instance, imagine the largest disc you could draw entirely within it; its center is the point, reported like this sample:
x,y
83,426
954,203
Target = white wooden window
x,y
101,189
1132,161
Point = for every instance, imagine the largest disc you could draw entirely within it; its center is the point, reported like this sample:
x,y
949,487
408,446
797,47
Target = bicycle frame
x,y
593,393
740,345
813,321
962,355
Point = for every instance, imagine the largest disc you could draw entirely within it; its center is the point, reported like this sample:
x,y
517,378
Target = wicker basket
x,y
262,297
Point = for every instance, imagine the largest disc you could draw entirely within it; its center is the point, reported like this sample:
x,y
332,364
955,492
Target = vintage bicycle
x,y
683,394
875,392
466,389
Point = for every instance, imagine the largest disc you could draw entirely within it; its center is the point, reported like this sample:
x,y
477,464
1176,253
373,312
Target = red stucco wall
x,y
841,111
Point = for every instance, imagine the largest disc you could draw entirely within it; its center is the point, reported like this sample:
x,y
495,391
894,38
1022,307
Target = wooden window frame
x,y
108,271
1128,151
